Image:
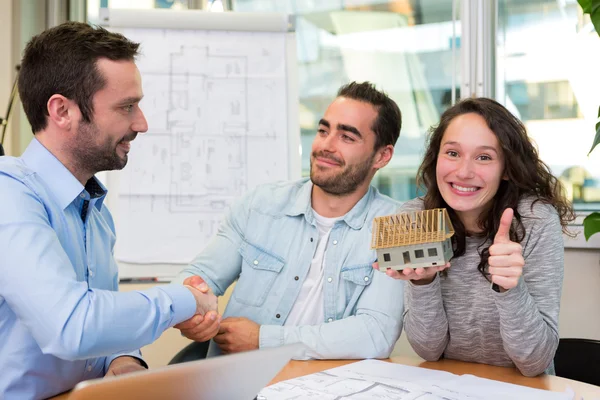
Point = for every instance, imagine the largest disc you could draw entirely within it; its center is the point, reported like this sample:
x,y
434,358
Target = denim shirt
x,y
267,243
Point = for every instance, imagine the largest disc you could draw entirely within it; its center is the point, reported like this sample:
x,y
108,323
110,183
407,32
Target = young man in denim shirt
x,y
300,251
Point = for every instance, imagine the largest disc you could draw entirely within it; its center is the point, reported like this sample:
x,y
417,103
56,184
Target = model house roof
x,y
411,228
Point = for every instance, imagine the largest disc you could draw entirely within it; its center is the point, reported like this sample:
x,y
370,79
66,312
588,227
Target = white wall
x,y
580,305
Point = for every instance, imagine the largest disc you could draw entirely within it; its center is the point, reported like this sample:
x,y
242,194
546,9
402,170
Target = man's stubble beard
x,y
345,182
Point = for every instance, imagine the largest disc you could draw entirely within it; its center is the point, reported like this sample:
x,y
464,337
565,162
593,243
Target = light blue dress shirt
x,y
267,243
61,319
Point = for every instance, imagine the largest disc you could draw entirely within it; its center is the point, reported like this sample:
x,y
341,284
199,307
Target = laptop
x,y
238,376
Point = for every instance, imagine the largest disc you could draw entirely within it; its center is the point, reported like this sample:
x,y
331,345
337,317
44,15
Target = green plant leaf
x,y
591,225
595,14
586,5
596,139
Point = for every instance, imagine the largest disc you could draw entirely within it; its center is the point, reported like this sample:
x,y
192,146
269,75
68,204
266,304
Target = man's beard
x,y
344,182
94,157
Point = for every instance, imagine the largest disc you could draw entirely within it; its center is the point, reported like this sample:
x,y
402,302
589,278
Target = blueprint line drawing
x,y
216,107
376,379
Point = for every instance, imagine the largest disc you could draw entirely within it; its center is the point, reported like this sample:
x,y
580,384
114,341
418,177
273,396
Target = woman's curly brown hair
x,y
526,175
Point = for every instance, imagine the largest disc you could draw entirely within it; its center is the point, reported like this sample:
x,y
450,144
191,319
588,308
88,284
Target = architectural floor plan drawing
x,y
375,379
216,107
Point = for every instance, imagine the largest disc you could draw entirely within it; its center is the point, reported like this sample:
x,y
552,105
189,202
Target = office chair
x,y
578,359
191,352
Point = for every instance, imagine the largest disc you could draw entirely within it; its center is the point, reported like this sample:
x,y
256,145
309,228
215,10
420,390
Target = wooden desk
x,y
295,369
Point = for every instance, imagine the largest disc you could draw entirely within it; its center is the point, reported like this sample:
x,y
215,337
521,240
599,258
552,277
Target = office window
x,y
404,47
432,252
419,253
386,257
548,57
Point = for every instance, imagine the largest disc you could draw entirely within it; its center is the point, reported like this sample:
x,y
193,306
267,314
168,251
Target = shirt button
x,y
82,196
311,239
91,273
277,316
335,242
89,368
255,262
296,278
329,279
329,319
366,279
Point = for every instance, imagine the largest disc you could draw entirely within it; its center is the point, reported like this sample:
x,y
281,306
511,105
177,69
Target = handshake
x,y
204,325
232,334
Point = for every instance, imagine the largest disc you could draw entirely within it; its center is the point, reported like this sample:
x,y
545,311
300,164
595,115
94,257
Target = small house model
x,y
413,239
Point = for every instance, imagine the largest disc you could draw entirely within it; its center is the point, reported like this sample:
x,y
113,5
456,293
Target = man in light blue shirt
x,y
61,318
300,251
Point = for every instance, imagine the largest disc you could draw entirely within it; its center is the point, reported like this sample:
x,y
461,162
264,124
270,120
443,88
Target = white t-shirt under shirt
x,y
308,308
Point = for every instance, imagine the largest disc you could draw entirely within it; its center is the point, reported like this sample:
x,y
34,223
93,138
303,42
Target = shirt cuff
x,y
271,336
515,297
183,302
181,277
134,354
431,287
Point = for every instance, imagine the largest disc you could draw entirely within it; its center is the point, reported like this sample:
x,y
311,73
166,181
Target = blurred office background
x,y
543,69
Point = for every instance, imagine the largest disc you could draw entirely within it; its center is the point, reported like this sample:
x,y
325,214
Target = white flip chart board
x,y
221,100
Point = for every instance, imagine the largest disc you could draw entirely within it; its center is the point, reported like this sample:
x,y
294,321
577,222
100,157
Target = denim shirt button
x,y
329,279
277,316
329,319
296,278
335,242
255,262
366,279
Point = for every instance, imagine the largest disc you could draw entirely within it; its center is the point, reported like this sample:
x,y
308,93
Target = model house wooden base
x,y
413,239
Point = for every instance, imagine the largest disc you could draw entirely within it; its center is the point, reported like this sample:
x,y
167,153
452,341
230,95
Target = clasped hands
x,y
204,325
232,334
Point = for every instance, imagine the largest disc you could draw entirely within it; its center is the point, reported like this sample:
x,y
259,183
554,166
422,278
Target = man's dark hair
x,y
62,60
388,123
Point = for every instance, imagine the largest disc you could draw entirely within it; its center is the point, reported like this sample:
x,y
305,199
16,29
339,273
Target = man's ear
x,y
61,111
383,156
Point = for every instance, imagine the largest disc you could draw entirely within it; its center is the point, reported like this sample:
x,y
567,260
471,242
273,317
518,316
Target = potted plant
x,y
591,223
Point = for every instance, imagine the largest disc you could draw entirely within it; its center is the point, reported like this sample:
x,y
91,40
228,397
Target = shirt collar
x,y
61,182
355,218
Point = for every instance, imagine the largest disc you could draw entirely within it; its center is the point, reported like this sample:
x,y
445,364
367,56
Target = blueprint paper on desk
x,y
374,379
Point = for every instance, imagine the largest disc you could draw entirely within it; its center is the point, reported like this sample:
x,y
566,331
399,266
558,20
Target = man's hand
x,y
237,334
205,299
124,365
205,324
418,276
506,257
200,328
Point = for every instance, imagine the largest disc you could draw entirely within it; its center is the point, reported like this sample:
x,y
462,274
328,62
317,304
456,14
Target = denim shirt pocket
x,y
259,271
356,279
358,274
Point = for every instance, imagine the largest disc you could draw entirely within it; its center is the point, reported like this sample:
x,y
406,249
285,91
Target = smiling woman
x,y
498,303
